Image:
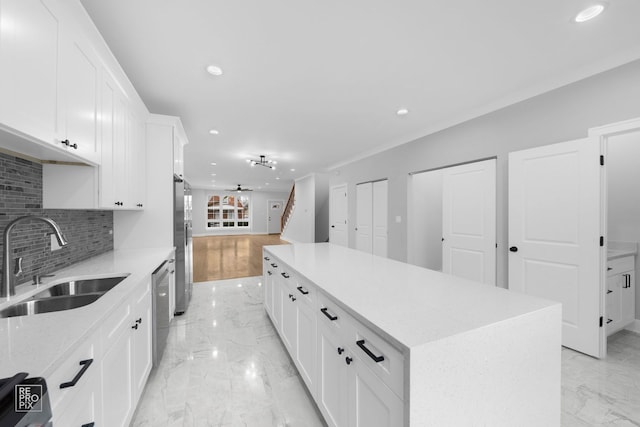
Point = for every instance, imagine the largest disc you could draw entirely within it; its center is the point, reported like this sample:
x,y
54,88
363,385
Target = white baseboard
x,y
634,327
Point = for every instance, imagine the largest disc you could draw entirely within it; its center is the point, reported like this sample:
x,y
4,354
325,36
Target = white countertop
x,y
411,305
36,344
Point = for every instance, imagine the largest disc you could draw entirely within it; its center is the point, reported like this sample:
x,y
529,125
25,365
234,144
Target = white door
x,y
338,215
554,234
380,216
469,221
274,213
364,217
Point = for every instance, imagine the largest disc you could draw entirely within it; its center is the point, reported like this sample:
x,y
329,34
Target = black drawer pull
x,y
135,326
609,321
267,258
88,425
324,311
274,265
139,320
340,350
285,275
302,291
85,365
348,360
376,359
609,268
609,291
269,273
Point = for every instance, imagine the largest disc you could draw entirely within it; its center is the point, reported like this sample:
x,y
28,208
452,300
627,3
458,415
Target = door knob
x,y
333,226
513,249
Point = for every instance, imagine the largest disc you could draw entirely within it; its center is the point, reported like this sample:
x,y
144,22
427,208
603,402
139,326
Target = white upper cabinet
x,y
178,156
30,34
49,76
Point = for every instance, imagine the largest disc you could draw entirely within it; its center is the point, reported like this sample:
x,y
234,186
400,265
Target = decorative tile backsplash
x,y
89,232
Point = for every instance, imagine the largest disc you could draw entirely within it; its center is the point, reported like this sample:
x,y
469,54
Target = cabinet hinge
x,y
601,320
601,240
601,160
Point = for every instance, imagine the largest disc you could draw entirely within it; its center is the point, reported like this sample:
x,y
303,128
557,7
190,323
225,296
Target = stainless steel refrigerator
x,y
183,243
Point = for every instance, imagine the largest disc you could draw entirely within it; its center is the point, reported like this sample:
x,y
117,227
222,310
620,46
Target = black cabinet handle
x,y
376,359
333,226
340,350
85,365
293,298
274,265
285,275
269,273
65,142
74,146
302,290
135,326
119,203
609,321
513,249
139,205
88,425
627,280
324,311
609,291
139,320
267,258
348,360
609,268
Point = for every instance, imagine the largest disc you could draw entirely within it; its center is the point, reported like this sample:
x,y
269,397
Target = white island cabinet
x,y
383,343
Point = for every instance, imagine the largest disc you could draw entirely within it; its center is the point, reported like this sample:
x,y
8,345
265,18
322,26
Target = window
x,y
228,211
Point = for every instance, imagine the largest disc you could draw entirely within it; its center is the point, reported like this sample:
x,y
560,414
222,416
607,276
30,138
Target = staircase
x,y
288,209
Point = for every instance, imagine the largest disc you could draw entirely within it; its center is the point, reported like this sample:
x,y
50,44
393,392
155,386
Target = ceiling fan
x,y
239,189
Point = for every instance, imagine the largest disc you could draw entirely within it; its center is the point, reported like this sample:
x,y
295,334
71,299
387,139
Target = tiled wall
x,y
88,232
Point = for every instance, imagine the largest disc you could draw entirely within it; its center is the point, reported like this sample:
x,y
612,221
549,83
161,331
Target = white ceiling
x,y
315,84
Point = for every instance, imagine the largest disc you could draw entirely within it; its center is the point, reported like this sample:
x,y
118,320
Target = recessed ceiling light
x,y
214,164
589,13
402,112
214,70
213,180
213,174
293,170
277,177
214,131
266,183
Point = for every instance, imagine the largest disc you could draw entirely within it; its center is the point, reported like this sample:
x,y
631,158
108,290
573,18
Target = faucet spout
x,y
8,285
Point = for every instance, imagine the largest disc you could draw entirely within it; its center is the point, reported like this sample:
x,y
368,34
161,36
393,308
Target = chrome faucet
x,y
8,285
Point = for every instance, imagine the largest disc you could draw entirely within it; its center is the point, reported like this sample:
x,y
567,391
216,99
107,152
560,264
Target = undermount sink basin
x,y
63,296
81,287
47,305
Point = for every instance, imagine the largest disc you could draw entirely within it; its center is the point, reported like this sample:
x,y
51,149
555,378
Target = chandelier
x,y
263,162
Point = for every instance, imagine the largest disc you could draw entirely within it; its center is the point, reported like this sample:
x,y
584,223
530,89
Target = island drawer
x,y
331,315
305,290
378,354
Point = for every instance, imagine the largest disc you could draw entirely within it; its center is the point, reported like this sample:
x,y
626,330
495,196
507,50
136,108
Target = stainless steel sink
x,y
47,305
81,287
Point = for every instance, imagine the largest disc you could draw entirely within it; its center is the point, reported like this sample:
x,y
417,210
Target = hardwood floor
x,y
230,257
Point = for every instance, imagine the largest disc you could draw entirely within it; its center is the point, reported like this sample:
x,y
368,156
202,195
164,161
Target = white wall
x,y
623,192
257,211
301,225
560,115
425,220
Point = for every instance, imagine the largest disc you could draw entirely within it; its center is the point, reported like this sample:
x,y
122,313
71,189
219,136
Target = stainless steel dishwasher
x,y
160,280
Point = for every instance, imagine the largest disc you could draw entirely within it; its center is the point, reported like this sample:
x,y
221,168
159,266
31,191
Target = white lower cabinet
x,y
126,339
85,408
621,291
350,386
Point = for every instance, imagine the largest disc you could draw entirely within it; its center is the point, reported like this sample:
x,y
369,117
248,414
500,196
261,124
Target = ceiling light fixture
x,y
263,162
213,174
214,131
589,13
293,170
214,70
402,112
214,164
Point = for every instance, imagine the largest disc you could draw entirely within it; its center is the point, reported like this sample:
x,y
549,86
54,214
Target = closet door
x,y
364,217
469,221
380,217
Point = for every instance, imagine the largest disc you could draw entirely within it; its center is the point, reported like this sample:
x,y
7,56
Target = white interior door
x,y
364,217
338,215
469,221
554,234
274,215
380,217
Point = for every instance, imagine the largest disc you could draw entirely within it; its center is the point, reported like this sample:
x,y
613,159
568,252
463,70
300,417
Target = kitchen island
x,y
383,343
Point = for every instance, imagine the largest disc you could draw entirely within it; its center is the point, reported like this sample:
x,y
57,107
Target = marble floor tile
x,y
225,366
